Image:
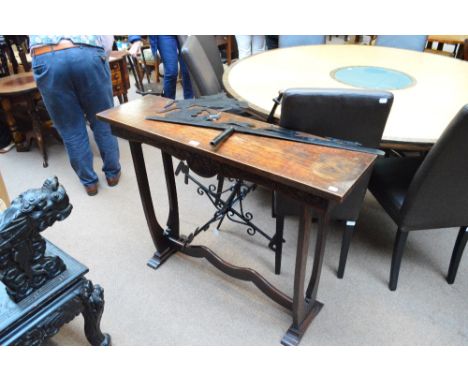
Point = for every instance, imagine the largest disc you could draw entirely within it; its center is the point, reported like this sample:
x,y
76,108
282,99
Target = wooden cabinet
x,y
119,75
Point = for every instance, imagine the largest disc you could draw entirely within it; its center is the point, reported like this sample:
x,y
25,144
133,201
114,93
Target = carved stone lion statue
x,y
23,264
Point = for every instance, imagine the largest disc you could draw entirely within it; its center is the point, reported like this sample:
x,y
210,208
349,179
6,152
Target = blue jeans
x,y
75,84
168,47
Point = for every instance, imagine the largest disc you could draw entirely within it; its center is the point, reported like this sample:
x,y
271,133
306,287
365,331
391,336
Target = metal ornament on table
x,y
200,113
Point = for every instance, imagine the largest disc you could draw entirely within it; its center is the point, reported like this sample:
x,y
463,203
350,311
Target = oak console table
x,y
317,176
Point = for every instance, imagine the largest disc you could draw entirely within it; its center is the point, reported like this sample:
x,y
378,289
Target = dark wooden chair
x,y
21,42
353,115
426,193
142,70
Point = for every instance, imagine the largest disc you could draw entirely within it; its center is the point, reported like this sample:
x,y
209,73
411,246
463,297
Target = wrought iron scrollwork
x,y
228,202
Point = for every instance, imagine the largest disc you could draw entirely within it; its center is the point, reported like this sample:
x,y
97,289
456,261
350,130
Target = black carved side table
x,y
41,287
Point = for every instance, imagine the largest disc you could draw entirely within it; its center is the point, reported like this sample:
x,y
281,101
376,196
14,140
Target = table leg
x,y
18,137
163,246
37,128
306,309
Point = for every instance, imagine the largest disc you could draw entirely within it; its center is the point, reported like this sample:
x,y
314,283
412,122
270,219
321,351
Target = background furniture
x,y
334,174
4,69
419,112
440,40
42,288
204,70
426,193
21,44
411,42
4,199
19,92
140,71
226,43
287,41
119,75
353,115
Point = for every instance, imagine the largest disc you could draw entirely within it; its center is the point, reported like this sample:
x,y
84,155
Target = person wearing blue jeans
x,y
73,76
169,50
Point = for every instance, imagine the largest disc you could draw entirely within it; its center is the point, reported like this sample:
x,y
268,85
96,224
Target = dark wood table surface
x,y
318,177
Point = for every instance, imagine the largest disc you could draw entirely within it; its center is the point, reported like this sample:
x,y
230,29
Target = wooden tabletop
x,y
318,170
17,84
419,114
448,39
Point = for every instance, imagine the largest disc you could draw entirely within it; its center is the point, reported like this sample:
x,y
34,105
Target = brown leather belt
x,y
64,44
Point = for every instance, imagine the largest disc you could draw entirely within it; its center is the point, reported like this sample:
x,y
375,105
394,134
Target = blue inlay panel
x,y
373,77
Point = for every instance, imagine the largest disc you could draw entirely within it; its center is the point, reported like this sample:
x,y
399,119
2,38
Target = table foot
x,y
294,334
159,258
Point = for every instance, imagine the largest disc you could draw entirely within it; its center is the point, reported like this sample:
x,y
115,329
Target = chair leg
x,y
347,234
398,248
460,244
279,243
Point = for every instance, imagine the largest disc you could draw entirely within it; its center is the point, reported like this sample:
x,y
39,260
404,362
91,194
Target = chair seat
x,y
390,181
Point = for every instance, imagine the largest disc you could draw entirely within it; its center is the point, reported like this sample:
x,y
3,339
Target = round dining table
x,y
428,89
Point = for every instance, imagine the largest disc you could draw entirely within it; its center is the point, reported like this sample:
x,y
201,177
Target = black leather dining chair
x,y
426,193
353,115
287,41
210,46
410,42
201,68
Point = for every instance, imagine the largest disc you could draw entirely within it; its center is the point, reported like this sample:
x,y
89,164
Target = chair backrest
x,y
208,42
354,115
200,68
465,50
286,41
438,194
411,42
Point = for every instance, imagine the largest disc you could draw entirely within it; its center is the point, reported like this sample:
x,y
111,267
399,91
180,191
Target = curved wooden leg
x,y
306,309
164,247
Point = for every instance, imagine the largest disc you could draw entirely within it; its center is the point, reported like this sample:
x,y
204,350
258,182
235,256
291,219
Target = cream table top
x,y
419,114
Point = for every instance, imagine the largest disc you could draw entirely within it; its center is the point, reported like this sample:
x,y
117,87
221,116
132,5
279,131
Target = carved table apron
x,y
318,177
